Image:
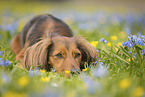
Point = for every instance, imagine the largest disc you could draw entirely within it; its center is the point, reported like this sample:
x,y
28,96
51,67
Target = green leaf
x,y
105,52
119,57
139,48
124,51
138,51
35,66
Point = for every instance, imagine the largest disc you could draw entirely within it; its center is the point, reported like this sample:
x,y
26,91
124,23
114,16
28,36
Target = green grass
x,y
121,74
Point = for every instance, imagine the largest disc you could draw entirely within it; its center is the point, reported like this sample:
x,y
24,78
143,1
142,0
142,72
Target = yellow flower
x,y
119,43
124,84
113,37
85,69
129,59
94,43
71,94
122,34
109,44
23,81
42,71
45,79
67,71
138,92
14,94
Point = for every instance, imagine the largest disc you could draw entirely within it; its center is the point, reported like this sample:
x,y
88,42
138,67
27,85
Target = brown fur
x,y
49,42
15,44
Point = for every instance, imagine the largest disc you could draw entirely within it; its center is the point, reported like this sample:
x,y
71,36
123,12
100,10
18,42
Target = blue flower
x,y
115,62
92,86
36,72
99,59
100,71
129,52
106,33
100,63
11,27
134,40
4,63
53,70
97,51
130,18
139,34
143,52
103,40
31,73
128,31
1,53
5,78
7,63
134,54
50,93
95,62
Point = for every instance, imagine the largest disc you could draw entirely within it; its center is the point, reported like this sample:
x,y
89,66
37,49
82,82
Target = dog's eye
x,y
59,55
77,55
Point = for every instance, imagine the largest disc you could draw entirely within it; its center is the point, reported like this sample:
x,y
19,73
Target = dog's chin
x,y
65,74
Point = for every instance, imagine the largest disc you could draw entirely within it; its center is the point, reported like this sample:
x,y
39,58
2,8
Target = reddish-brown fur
x,y
49,42
15,44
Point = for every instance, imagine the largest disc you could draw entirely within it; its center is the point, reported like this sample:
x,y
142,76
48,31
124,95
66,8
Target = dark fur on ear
x,y
38,54
89,52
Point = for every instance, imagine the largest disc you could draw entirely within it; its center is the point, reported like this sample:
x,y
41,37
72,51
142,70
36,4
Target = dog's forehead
x,y
64,42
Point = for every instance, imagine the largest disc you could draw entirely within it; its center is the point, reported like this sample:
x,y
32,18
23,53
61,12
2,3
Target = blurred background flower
x,y
138,92
100,71
4,63
103,40
5,78
1,53
92,86
124,83
23,81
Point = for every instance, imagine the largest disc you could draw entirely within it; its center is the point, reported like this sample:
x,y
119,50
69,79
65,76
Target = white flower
x,y
55,85
100,71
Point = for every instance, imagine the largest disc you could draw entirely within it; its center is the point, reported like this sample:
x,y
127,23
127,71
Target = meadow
x,y
119,38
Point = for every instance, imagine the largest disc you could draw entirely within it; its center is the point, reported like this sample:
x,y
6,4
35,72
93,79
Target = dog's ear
x,y
37,54
89,53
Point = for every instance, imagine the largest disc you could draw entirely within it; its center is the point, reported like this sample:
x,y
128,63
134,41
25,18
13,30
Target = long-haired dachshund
x,y
49,42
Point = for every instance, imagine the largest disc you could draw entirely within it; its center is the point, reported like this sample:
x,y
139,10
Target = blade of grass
x,y
120,57
123,51
140,59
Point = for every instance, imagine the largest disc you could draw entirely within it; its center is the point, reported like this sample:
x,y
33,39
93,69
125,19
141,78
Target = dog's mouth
x,y
75,73
71,74
67,73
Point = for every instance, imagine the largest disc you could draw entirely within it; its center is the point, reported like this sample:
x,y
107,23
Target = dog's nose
x,y
74,70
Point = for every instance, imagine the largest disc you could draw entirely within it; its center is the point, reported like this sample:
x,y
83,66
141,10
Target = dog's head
x,y
62,53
